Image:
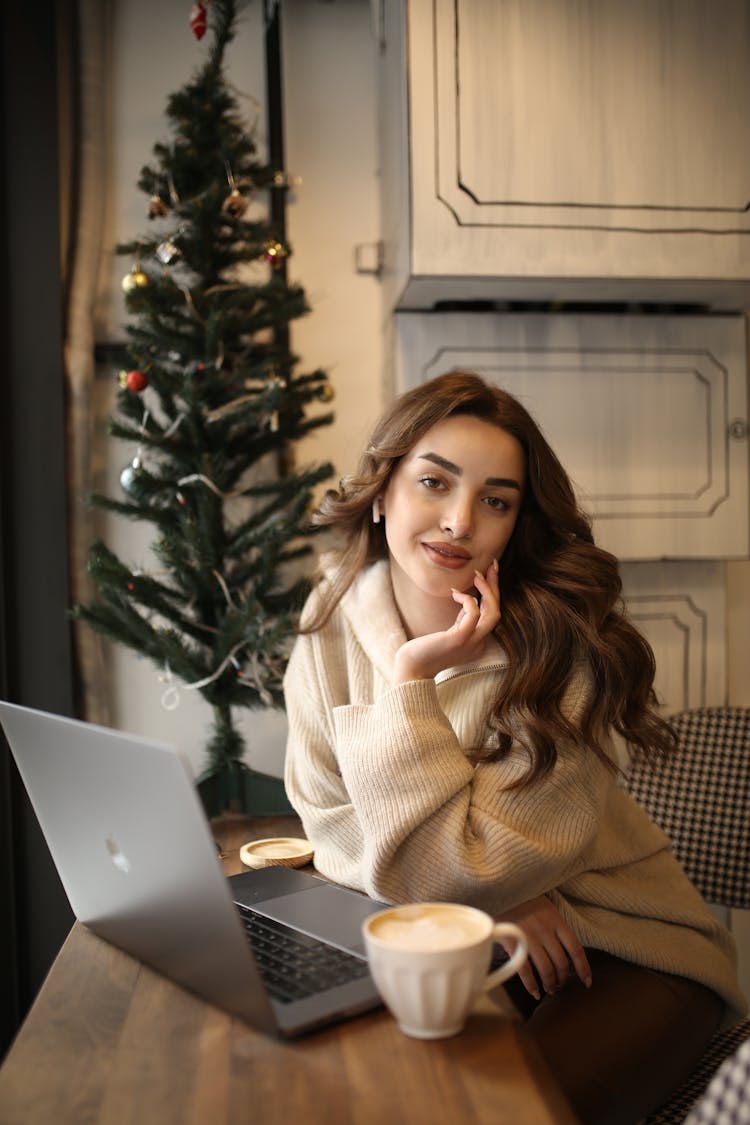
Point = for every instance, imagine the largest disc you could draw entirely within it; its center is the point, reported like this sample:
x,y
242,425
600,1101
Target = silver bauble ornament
x,y
129,479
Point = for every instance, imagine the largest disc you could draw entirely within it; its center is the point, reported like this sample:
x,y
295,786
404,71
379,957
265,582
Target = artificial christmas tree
x,y
210,396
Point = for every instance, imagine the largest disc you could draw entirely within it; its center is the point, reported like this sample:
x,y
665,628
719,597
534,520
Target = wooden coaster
x,y
286,851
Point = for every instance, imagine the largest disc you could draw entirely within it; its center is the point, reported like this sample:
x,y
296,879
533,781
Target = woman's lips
x,y
445,555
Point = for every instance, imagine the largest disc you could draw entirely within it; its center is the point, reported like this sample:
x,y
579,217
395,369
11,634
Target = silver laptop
x,y
133,849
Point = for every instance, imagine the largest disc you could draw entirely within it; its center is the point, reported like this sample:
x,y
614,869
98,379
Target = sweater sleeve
x,y
434,826
312,777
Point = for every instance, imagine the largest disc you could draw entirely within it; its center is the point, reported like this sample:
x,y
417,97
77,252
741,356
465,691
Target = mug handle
x,y
517,958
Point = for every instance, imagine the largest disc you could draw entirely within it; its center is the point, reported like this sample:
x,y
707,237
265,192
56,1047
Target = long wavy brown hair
x,y
561,595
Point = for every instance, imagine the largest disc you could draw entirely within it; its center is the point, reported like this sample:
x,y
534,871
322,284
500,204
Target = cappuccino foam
x,y
426,929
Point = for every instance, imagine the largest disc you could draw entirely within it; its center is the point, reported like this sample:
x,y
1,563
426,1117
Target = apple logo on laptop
x,y
120,860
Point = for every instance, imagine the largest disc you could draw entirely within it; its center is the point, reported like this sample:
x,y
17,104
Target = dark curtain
x,y
36,660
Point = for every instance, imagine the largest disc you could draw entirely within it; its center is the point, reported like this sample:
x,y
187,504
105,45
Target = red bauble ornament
x,y
136,381
198,21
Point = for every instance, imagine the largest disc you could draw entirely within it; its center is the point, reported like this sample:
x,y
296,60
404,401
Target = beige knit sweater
x,y
379,777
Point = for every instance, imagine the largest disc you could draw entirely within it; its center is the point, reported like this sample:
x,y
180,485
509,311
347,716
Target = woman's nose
x,y
456,519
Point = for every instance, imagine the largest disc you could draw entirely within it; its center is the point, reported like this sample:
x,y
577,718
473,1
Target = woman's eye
x,y
497,503
430,482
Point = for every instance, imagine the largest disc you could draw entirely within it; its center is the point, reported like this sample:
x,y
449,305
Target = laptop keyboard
x,y
294,965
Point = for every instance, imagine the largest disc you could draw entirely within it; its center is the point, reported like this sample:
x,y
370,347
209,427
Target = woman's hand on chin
x,y
423,657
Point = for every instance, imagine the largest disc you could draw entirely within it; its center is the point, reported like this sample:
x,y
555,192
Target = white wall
x,y
329,90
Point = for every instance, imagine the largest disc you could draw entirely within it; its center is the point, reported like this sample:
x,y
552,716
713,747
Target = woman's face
x,y
452,504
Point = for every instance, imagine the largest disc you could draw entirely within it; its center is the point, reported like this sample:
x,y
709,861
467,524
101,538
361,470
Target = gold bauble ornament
x,y
157,208
136,279
325,392
235,204
275,252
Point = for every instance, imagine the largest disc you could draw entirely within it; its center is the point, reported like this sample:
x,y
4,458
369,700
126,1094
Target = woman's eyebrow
x,y
503,482
497,482
443,462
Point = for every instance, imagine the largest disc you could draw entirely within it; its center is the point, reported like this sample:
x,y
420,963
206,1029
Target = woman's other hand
x,y
553,947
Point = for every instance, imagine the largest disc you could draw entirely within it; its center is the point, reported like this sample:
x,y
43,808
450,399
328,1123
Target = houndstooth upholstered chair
x,y
700,797
727,1097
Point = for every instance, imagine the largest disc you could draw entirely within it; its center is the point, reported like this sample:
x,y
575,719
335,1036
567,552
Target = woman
x,y
463,671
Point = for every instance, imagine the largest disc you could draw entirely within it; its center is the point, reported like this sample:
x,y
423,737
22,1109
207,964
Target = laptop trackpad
x,y
326,912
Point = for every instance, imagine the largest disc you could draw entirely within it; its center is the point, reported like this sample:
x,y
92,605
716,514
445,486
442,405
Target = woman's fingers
x,y
554,948
575,952
487,585
469,613
492,577
555,968
526,972
548,966
477,616
540,968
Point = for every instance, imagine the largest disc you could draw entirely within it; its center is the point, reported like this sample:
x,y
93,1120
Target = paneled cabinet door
x,y
647,414
566,149
680,607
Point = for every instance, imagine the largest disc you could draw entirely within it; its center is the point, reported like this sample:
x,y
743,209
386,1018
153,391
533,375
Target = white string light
x,y
229,407
225,589
174,426
142,431
255,673
170,699
210,484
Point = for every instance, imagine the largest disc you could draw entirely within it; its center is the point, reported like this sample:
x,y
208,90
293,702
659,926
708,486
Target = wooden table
x,y
109,1041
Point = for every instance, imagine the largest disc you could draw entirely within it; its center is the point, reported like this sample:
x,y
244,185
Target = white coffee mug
x,y
430,963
